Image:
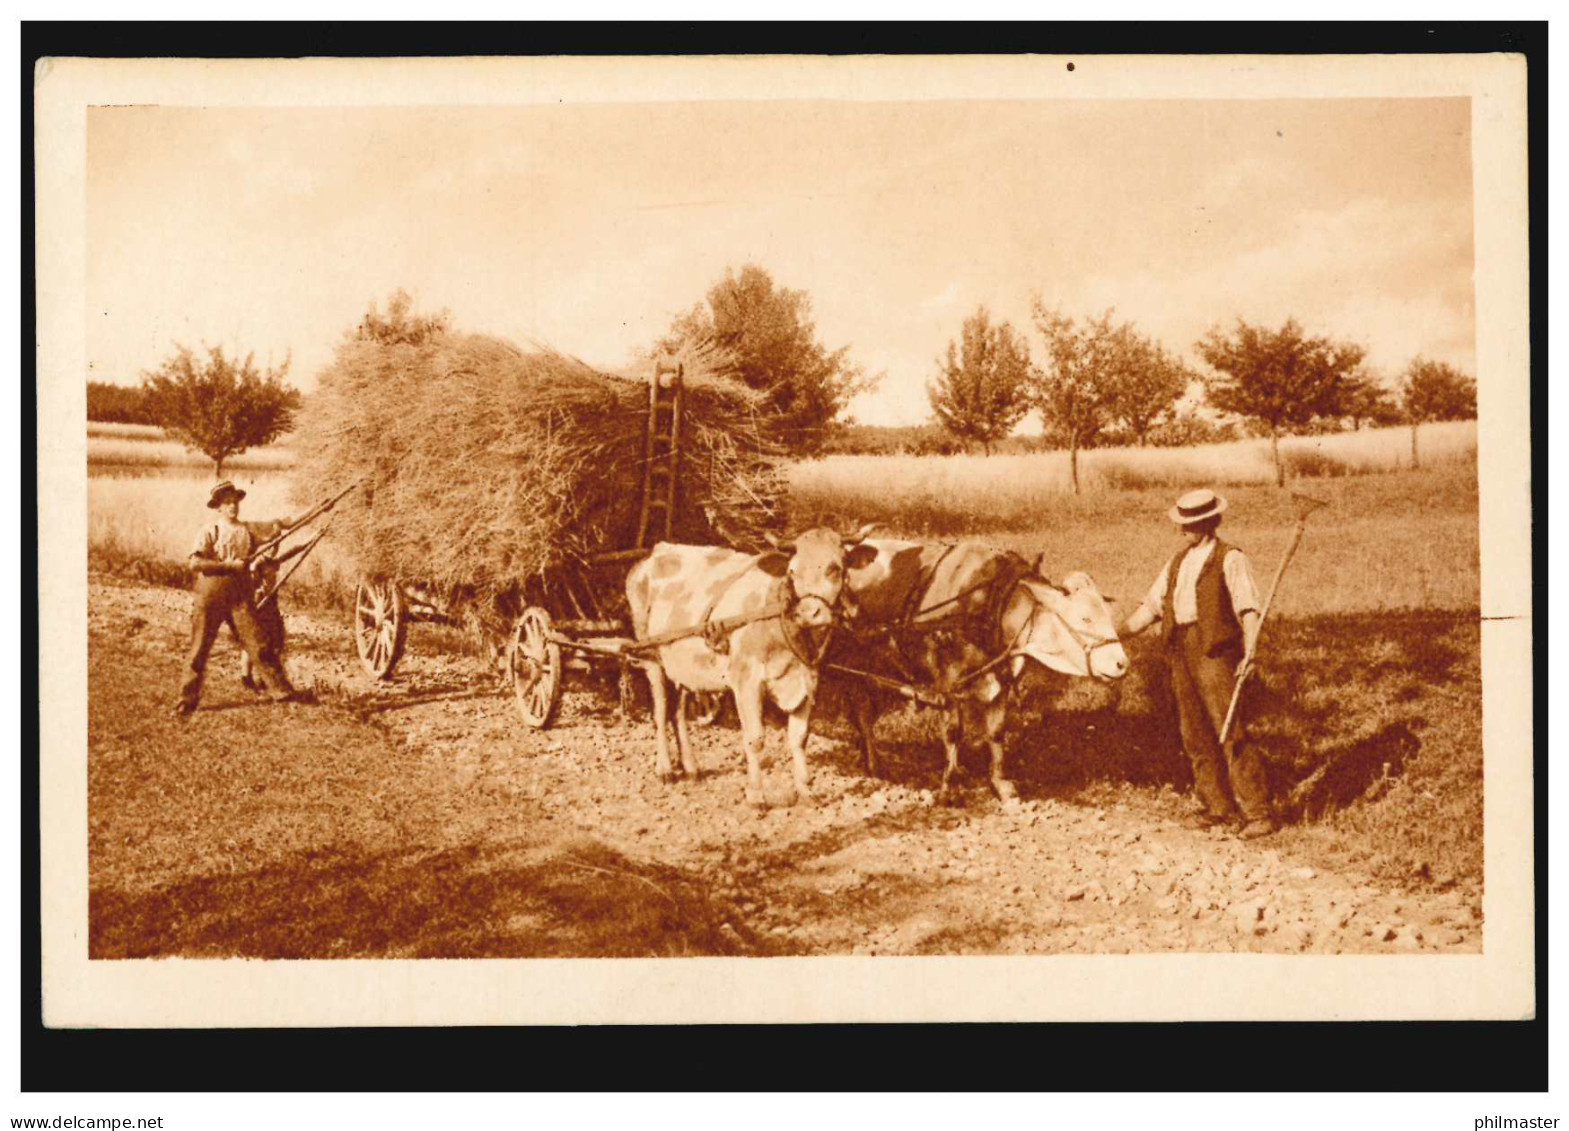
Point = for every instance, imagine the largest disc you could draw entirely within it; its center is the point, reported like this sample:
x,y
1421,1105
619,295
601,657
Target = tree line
x,y
1100,379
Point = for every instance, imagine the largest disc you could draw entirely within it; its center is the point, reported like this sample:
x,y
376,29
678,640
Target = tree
x,y
981,389
1369,401
1279,377
766,338
1434,390
218,406
1147,382
116,404
400,326
1077,390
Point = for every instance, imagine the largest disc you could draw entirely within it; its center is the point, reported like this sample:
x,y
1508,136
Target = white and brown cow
x,y
965,605
682,587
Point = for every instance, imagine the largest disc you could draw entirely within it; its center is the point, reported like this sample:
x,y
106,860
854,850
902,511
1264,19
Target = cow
x,y
964,618
755,625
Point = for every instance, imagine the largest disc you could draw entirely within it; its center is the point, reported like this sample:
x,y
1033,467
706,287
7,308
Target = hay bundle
x,y
488,467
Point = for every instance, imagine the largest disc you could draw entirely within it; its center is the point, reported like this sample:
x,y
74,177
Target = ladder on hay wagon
x,y
661,455
534,660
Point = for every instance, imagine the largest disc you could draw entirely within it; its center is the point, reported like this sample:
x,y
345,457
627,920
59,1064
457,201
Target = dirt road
x,y
874,868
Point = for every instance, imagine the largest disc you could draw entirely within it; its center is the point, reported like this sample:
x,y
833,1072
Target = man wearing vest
x,y
224,593
1209,613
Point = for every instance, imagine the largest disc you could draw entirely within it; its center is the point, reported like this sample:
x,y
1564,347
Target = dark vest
x,y
1217,624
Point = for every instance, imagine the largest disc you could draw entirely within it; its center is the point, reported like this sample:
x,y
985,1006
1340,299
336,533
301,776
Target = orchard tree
x,y
1147,383
117,404
1434,390
1077,388
218,406
981,392
1281,378
766,339
1370,401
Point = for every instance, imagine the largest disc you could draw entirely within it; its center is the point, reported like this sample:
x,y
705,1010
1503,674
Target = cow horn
x,y
862,534
780,544
1035,566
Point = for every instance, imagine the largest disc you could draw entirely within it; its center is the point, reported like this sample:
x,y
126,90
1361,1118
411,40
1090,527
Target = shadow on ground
x,y
584,901
1339,707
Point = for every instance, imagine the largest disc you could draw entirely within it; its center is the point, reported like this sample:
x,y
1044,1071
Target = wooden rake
x,y
1305,507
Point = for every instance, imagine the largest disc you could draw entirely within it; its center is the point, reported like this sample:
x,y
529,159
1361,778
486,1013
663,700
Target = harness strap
x,y
716,633
795,636
912,601
718,638
1011,569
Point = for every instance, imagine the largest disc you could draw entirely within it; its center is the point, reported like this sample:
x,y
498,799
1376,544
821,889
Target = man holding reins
x,y
1208,607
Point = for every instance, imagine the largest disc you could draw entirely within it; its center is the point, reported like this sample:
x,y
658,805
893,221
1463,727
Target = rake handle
x,y
1269,599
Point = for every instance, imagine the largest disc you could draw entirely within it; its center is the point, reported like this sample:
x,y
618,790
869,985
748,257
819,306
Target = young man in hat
x,y
1209,613
225,594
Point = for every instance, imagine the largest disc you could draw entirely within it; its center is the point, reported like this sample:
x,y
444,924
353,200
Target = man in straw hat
x,y
225,594
1209,613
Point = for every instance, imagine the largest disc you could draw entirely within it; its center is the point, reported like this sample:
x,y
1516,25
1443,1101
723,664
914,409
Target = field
x,y
143,446
972,494
422,818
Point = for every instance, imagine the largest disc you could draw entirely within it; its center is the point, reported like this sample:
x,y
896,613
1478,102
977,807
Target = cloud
x,y
945,299
1394,277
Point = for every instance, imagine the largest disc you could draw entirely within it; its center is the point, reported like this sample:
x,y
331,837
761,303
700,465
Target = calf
x,y
963,619
755,625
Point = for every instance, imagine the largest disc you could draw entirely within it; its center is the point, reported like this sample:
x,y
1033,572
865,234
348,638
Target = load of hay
x,y
489,471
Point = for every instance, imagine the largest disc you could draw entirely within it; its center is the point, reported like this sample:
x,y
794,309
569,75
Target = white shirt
x,y
222,540
1184,602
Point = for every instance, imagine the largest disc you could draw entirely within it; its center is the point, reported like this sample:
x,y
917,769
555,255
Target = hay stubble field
x,y
423,818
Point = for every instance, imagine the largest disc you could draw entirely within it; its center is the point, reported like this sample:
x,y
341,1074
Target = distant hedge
x,y
116,404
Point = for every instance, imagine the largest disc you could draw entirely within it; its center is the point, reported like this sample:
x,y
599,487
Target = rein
x,y
1087,643
1004,589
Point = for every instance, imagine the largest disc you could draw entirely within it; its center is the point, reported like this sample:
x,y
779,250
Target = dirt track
x,y
874,867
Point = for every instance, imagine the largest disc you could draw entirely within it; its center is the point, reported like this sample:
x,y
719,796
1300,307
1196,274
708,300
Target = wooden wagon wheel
x,y
535,664
381,626
705,707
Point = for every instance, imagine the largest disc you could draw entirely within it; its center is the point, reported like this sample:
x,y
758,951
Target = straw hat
x,y
221,490
1196,506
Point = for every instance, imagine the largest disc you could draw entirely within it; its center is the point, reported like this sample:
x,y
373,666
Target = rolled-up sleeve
x,y
1155,599
205,541
1239,583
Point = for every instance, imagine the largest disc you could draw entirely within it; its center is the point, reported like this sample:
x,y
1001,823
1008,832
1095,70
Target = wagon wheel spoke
x,y
536,668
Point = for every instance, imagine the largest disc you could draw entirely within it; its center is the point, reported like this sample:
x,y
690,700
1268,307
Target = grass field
x,y
112,446
1370,708
972,494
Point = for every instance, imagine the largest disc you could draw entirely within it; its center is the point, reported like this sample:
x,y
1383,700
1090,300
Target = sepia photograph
x,y
882,510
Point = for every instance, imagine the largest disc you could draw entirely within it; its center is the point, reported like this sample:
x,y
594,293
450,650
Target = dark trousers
x,y
221,600
1225,781
269,618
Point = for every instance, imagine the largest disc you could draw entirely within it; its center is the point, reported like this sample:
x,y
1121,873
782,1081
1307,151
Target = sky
x,y
591,227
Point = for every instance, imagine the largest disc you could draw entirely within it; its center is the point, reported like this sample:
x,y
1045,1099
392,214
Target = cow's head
x,y
819,559
1066,627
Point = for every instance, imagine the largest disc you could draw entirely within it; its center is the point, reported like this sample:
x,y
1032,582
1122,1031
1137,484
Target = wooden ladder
x,y
661,454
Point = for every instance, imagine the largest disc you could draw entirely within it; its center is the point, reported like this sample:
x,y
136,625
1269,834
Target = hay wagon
x,y
570,618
